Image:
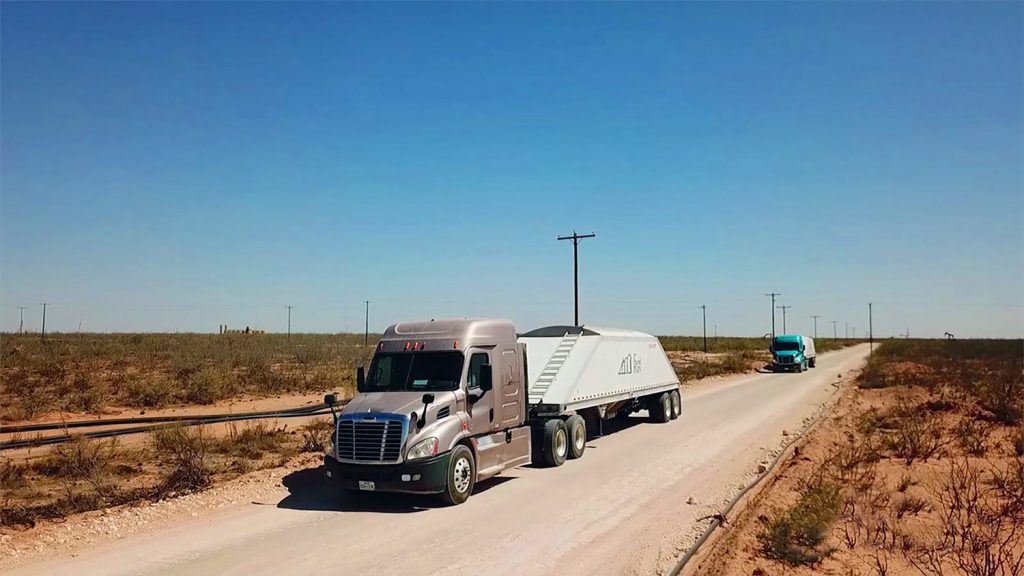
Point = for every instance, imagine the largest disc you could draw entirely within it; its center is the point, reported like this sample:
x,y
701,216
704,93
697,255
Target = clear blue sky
x,y
175,166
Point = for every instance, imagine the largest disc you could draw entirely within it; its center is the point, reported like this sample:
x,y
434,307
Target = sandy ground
x,y
629,506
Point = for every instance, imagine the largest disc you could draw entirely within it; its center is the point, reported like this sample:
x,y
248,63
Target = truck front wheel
x,y
556,442
677,404
461,476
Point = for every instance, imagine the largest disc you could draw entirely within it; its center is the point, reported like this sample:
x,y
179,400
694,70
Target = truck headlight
x,y
422,449
329,447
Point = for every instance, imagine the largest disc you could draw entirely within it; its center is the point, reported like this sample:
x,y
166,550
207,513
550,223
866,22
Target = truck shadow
x,y
309,489
612,426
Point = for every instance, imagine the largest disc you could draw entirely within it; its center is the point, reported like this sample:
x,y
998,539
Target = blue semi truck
x,y
792,352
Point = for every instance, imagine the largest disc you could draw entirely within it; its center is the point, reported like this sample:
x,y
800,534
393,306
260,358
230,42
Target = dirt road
x,y
622,509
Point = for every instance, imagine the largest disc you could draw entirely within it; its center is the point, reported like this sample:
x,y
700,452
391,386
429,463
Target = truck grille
x,y
370,440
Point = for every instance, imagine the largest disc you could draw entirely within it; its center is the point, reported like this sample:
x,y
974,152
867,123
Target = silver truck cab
x,y
442,407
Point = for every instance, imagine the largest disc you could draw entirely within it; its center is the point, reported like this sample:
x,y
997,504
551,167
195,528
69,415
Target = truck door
x,y
481,411
508,383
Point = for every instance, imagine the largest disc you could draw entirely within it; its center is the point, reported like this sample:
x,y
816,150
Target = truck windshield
x,y
414,371
787,345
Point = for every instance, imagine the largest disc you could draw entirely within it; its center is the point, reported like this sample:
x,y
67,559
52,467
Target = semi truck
x,y
793,352
449,403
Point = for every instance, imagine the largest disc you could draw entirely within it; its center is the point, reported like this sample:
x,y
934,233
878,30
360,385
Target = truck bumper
x,y
426,476
785,367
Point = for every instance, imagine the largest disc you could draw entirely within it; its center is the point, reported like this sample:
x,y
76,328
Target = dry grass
x,y
93,372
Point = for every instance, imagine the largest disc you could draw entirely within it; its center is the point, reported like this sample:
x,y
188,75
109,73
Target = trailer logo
x,y
630,364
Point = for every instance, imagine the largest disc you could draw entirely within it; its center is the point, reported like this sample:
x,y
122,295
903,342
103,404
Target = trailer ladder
x,y
547,375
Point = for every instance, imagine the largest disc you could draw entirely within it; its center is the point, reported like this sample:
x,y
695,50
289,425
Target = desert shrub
x,y
971,435
316,435
1003,396
1017,441
796,535
909,504
975,533
85,393
209,385
251,441
184,450
904,483
851,463
917,435
13,475
80,459
149,391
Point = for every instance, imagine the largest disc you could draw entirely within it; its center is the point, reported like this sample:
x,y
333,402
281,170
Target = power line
x,y
366,333
576,271
815,316
21,319
773,295
835,335
704,314
784,308
871,332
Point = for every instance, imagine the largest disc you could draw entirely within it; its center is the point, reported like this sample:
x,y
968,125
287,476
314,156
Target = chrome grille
x,y
370,440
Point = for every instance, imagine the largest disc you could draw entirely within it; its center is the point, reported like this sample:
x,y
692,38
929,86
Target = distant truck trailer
x,y
793,352
449,403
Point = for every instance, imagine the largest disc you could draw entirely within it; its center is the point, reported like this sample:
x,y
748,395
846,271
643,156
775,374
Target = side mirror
x,y
486,377
331,399
360,378
428,399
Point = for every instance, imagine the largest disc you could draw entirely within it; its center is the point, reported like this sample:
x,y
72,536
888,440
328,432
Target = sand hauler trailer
x,y
448,403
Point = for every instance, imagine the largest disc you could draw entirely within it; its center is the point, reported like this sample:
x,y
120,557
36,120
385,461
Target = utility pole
x,y
366,333
773,295
815,325
21,319
576,271
42,333
784,308
871,332
704,313
716,330
289,321
835,335
853,332
846,330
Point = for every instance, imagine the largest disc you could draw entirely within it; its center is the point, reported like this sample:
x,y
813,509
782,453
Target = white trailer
x,y
598,373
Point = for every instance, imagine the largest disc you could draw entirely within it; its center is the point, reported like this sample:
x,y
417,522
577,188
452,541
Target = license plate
x,y
364,485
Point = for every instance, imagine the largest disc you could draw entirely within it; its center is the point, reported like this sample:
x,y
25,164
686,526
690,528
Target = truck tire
x,y
813,362
577,428
677,404
461,476
660,407
556,442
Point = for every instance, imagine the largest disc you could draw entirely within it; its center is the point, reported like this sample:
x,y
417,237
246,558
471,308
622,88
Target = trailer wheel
x,y
556,442
461,476
577,428
677,404
660,407
813,362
